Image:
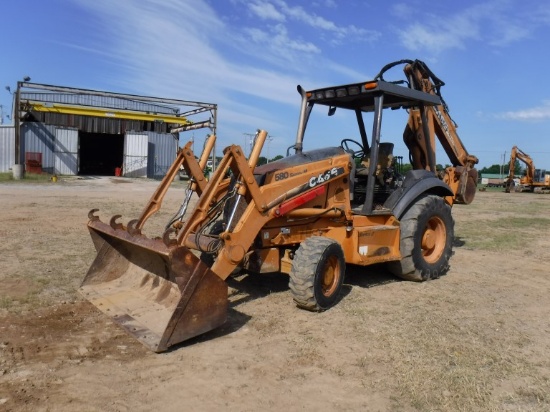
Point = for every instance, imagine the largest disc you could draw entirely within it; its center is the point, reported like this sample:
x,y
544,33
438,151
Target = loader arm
x,y
197,181
264,203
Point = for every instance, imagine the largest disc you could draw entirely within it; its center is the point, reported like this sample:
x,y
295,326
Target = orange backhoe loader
x,y
308,215
532,180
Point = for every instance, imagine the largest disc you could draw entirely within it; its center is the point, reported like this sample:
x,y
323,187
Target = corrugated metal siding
x,y
161,154
39,137
98,101
135,155
99,124
66,151
7,148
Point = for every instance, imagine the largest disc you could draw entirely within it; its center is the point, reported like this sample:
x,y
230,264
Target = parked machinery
x,y
307,215
532,180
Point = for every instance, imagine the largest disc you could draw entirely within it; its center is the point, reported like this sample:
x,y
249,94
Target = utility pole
x,y
269,139
17,120
250,139
17,125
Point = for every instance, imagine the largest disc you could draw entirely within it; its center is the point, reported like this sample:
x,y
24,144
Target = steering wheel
x,y
345,144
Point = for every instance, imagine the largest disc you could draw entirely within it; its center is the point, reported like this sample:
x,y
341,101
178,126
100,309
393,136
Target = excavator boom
x,y
427,122
532,179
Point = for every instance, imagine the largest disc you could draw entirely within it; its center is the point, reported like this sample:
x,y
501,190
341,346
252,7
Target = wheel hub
x,y
428,240
433,239
330,276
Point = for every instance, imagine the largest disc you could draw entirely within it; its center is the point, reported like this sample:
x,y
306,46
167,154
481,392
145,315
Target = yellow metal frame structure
x,y
179,121
108,113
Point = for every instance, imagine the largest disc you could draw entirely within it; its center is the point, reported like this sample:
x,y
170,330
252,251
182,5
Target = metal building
x,y
7,147
69,131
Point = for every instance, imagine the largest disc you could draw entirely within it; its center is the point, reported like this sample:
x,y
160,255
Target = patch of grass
x,y
454,369
505,233
27,178
485,188
4,177
267,327
6,302
306,351
523,223
537,393
29,301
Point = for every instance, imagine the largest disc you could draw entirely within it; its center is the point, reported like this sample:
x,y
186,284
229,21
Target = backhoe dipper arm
x,y
436,121
439,120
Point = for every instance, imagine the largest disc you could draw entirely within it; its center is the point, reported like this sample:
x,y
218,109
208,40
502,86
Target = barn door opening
x,y
100,153
66,151
135,155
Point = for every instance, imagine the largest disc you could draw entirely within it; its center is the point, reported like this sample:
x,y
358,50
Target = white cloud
x,y
330,4
531,114
266,11
278,42
402,10
318,22
509,32
494,22
541,13
419,37
153,53
183,49
160,55
281,11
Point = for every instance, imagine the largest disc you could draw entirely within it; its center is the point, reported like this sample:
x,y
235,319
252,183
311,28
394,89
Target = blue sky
x,y
248,56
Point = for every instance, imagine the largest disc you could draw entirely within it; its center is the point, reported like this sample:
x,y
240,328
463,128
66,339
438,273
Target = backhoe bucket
x,y
161,295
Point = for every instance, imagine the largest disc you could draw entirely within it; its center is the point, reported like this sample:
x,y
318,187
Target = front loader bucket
x,y
160,295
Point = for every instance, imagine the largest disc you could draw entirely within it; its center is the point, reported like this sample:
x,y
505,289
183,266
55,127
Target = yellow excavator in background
x,y
307,215
532,180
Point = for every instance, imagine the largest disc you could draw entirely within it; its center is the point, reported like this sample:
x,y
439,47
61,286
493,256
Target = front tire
x,y
427,231
317,273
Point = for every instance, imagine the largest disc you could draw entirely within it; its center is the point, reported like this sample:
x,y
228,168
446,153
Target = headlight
x,y
341,93
354,90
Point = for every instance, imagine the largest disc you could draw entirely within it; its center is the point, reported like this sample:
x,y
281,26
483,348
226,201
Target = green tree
x,y
504,169
517,168
407,166
493,169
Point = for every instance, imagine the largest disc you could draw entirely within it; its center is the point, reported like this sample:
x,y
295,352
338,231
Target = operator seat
x,y
385,160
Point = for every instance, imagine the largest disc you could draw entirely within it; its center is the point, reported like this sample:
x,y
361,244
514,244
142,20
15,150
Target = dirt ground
x,y
477,339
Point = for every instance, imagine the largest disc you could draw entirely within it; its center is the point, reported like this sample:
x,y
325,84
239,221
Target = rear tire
x,y
317,273
427,231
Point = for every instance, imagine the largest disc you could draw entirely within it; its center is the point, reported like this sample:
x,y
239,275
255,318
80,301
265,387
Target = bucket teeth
x,y
92,216
160,294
